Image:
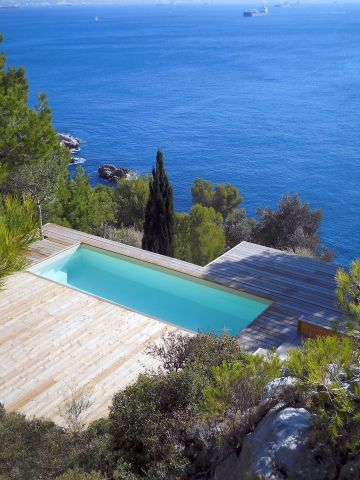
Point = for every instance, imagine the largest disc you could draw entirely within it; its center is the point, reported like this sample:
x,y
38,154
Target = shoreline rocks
x,y
70,142
110,172
106,171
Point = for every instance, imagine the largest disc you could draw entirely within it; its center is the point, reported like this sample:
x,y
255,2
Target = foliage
x,y
200,352
224,198
182,237
80,206
238,228
151,423
31,449
127,235
92,448
238,386
131,197
74,409
207,239
159,215
180,421
199,237
294,225
31,159
81,475
144,420
348,295
328,368
18,228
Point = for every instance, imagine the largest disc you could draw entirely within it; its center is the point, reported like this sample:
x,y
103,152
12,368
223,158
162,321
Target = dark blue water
x,y
271,104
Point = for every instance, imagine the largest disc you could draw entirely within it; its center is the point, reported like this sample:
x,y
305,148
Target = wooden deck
x,y
54,339
301,289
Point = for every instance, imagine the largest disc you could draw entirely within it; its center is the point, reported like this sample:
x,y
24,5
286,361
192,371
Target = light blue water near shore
x,y
270,104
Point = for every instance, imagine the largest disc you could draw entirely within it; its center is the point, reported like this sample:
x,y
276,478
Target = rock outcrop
x,y
277,446
112,173
276,387
70,142
278,450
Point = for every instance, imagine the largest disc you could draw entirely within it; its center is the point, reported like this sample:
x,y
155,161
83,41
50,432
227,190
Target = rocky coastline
x,y
112,173
106,171
71,143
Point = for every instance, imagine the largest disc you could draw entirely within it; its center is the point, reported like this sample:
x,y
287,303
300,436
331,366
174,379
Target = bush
x,y
32,449
148,419
292,226
238,386
200,352
224,198
128,235
328,368
207,238
348,295
131,197
80,206
238,228
80,475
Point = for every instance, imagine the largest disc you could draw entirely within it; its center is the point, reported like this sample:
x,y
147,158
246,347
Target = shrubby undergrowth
x,y
184,419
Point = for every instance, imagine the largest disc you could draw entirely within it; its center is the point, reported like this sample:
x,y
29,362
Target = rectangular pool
x,y
173,297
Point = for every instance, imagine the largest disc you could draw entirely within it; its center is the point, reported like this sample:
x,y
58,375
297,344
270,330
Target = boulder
x,y
112,173
278,450
276,387
70,142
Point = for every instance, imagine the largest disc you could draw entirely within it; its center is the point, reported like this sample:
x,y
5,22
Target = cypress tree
x,y
159,213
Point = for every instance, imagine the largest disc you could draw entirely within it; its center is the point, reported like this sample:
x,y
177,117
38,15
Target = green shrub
x,y
148,418
93,448
131,196
327,367
348,295
238,386
32,449
200,352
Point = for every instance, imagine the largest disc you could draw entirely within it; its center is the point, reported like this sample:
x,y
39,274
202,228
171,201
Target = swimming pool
x,y
173,297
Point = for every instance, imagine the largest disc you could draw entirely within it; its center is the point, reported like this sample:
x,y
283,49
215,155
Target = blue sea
x,y
270,104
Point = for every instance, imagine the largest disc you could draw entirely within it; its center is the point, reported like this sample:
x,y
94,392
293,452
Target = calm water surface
x,y
175,298
269,104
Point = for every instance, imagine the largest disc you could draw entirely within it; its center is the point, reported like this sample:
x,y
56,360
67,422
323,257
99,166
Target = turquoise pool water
x,y
176,298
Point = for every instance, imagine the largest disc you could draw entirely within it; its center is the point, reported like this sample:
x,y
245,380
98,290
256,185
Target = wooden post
x,y
40,219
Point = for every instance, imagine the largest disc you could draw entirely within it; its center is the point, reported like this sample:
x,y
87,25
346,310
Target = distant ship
x,y
262,12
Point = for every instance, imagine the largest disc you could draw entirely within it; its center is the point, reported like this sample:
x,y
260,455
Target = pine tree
x,y
159,214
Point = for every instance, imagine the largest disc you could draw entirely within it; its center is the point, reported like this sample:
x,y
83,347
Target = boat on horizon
x,y
262,12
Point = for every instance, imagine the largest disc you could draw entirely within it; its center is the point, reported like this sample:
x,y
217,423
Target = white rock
x,y
277,447
275,387
278,450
